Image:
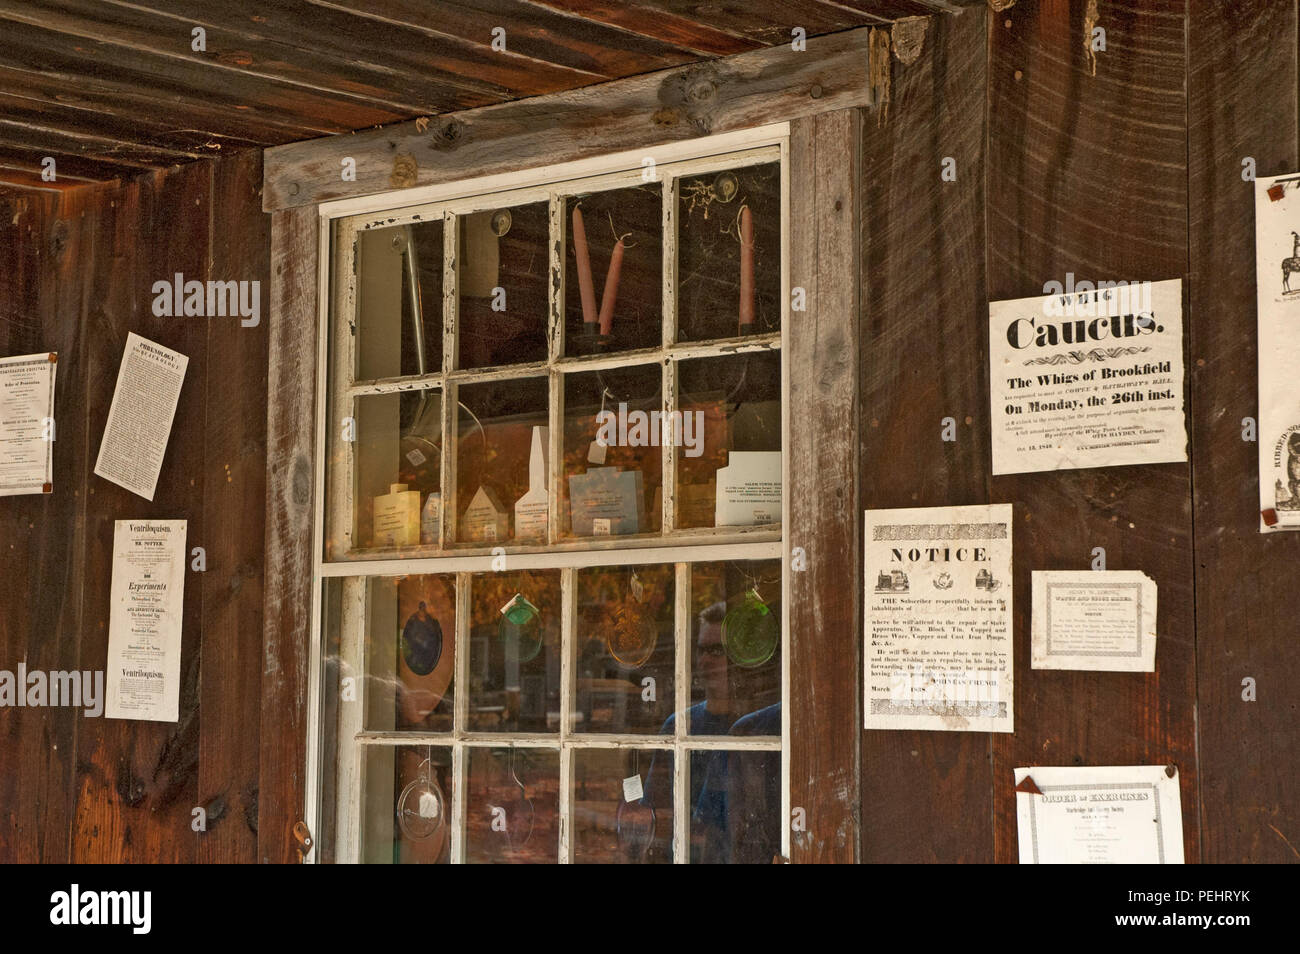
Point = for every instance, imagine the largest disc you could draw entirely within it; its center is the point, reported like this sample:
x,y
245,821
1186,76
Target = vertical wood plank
x,y
824,611
924,320
137,781
1242,66
290,433
234,435
45,286
1088,174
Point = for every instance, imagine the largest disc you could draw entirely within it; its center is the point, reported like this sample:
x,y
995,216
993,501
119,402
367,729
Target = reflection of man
x,y
712,716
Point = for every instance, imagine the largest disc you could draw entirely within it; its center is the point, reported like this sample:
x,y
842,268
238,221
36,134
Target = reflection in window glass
x,y
514,656
495,461
736,798
399,276
625,655
729,253
616,819
732,475
399,458
612,488
407,804
410,653
736,627
502,285
512,806
614,307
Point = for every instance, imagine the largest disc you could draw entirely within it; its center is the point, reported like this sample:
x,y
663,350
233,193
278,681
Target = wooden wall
x,y
1133,173
76,272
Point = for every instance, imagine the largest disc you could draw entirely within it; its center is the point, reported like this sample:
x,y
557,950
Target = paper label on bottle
x,y
633,790
600,526
415,457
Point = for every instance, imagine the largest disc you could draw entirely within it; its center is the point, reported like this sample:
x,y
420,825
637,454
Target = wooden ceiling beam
x,y
735,92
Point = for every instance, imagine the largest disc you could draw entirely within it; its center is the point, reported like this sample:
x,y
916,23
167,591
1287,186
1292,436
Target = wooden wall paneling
x,y
1088,174
234,521
924,317
1242,65
825,609
290,480
668,106
137,781
40,536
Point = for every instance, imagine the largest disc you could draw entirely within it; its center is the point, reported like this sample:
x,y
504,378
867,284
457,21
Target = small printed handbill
x,y
140,417
938,646
1105,815
1095,620
1277,289
144,624
27,424
1092,378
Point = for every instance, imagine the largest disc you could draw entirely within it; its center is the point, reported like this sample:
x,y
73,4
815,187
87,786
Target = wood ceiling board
x,y
765,22
126,103
14,178
74,120
535,34
680,31
187,75
36,137
432,73
83,167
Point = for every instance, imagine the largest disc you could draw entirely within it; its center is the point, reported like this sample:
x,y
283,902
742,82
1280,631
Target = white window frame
x,y
681,548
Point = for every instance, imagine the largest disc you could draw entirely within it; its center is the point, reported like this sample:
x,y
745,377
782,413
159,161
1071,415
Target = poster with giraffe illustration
x,y
1277,289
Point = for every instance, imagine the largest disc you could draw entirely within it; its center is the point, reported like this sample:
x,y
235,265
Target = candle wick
x,y
618,239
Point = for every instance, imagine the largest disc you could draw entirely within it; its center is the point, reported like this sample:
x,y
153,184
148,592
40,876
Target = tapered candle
x,y
746,268
611,288
586,288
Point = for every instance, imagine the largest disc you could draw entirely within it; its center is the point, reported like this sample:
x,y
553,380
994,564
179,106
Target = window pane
x,y
625,300
407,805
736,799
512,806
495,464
736,644
515,652
622,806
625,672
721,291
729,467
612,489
502,285
398,454
399,276
410,653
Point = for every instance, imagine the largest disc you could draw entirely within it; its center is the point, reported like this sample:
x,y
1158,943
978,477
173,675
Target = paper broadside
x,y
27,424
140,417
1087,379
144,623
938,646
1277,290
1099,816
1094,620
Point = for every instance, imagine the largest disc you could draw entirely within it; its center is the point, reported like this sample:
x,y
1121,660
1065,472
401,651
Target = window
x,y
550,549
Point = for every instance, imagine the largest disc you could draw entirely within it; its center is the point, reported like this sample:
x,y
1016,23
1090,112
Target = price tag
x,y
600,526
415,457
596,453
633,789
429,805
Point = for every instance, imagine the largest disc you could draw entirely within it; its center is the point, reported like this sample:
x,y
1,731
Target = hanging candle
x,y
586,287
611,288
746,269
